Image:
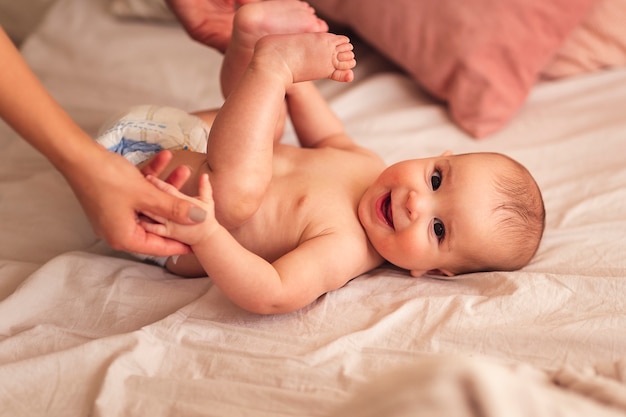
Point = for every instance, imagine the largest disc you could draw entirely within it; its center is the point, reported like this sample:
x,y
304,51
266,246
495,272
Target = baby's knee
x,y
238,212
249,17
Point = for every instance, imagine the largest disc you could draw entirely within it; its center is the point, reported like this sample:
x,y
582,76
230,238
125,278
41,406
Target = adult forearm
x,y
110,189
22,95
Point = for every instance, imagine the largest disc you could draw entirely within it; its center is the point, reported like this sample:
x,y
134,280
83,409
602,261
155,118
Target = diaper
x,y
156,260
144,131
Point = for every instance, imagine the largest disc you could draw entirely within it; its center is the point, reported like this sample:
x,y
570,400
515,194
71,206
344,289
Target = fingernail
x,y
197,215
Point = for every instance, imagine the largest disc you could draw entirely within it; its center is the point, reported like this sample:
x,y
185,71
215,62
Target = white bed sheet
x,y
85,330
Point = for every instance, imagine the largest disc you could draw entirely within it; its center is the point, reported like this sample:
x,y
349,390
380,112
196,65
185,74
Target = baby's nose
x,y
414,205
419,204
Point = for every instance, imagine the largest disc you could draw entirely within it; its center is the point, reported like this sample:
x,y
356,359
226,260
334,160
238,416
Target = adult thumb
x,y
178,210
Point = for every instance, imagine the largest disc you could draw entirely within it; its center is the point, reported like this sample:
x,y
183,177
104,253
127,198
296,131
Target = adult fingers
x,y
179,176
157,164
156,245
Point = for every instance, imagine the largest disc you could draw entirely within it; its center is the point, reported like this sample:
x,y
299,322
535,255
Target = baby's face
x,y
427,215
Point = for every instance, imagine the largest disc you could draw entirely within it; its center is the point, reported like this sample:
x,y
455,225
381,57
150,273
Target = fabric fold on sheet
x,y
444,385
86,330
605,383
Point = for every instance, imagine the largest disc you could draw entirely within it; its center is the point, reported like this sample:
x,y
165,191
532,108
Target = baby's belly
x,y
274,230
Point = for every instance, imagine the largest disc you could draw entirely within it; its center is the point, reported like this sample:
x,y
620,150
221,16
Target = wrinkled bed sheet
x,y
85,330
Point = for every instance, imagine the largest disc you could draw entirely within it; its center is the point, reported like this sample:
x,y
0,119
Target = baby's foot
x,y
257,19
274,17
306,57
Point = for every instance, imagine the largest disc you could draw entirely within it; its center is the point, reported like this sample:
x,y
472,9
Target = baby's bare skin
x,y
287,224
279,209
303,200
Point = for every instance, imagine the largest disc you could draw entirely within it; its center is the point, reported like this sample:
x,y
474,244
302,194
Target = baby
x,y
287,224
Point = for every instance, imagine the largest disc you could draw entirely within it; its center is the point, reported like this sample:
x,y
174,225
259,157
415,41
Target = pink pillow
x,y
598,42
482,57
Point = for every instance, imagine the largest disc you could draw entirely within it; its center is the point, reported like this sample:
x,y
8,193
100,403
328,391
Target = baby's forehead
x,y
485,157
502,170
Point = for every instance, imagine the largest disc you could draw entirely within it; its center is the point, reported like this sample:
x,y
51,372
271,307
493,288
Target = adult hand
x,y
207,21
114,193
110,189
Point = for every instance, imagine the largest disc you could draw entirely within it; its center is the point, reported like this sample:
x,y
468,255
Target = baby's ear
x,y
440,273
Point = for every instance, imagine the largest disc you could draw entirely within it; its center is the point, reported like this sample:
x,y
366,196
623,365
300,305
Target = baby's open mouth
x,y
387,211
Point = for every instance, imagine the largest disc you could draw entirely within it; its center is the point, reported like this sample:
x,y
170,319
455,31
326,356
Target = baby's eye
x,y
435,180
439,229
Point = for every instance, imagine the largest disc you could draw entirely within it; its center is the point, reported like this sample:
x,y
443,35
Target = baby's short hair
x,y
519,215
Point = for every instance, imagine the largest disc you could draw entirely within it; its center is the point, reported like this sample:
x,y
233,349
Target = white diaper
x,y
156,260
144,131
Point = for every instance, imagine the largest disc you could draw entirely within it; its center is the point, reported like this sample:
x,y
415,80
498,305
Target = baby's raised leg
x,y
240,146
256,20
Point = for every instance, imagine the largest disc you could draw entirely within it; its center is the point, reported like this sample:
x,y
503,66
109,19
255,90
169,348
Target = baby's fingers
x,y
163,186
151,217
150,226
205,191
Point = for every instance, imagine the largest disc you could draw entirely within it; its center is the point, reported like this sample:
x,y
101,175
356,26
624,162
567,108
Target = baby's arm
x,y
290,283
314,121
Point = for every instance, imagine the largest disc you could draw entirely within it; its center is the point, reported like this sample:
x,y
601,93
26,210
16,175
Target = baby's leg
x,y
240,146
255,20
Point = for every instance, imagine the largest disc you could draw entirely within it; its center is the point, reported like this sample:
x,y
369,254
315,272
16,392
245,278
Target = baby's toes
x,y
344,76
345,60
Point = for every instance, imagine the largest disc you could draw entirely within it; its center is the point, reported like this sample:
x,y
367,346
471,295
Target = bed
x,y
86,330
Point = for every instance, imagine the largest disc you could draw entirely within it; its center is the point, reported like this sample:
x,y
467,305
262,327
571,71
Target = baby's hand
x,y
189,234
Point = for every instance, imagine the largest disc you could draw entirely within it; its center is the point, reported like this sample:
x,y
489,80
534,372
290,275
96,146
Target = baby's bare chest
x,y
294,211
305,200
